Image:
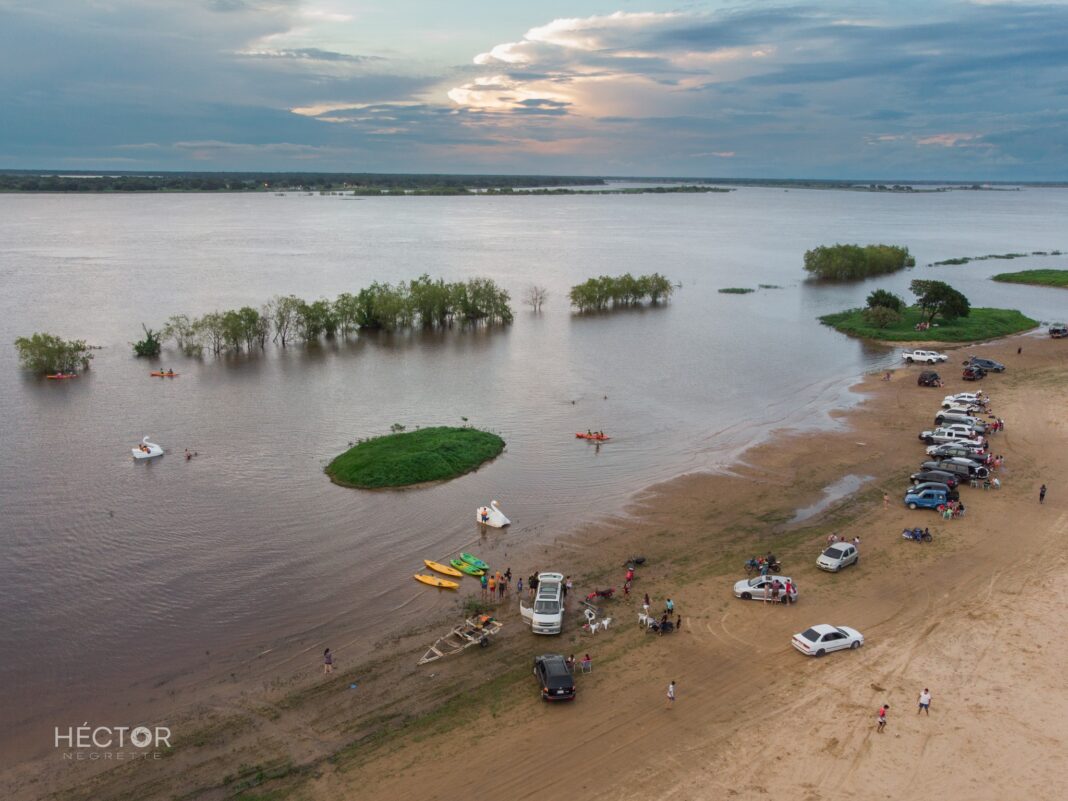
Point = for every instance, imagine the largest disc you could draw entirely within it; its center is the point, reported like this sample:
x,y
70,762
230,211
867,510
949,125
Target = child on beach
x,y
328,662
882,718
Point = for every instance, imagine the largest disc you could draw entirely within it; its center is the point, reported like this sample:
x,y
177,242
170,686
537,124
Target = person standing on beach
x,y
328,662
519,588
484,582
886,500
671,695
882,718
925,702
1042,494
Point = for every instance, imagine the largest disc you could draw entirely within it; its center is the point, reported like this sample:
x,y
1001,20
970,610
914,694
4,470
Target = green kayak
x,y
466,568
474,561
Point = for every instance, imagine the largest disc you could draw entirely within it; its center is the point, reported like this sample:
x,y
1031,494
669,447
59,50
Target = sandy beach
x,y
974,616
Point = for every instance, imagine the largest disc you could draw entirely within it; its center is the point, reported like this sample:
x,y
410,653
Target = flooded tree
x,y
597,294
535,297
47,353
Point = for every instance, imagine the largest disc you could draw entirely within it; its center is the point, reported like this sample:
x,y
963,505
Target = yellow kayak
x,y
437,567
434,581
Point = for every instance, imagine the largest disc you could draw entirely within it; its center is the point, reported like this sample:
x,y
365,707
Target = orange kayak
x,y
59,376
593,437
164,375
434,581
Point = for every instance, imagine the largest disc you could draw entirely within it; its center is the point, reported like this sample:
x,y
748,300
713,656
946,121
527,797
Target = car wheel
x,y
784,600
855,645
746,596
820,652
929,440
909,360
930,361
912,506
856,561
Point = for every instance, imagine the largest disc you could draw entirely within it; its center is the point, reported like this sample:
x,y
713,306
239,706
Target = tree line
x,y
597,294
933,298
851,262
421,303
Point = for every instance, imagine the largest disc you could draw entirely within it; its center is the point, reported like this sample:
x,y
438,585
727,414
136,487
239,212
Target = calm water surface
x,y
115,574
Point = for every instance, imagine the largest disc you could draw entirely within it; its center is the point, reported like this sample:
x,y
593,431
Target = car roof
x,y
552,659
823,628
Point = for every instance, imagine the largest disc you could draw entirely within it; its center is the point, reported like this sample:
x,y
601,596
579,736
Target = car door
x,y
832,641
850,556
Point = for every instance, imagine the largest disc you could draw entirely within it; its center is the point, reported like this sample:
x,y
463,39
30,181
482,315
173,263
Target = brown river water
x,y
116,574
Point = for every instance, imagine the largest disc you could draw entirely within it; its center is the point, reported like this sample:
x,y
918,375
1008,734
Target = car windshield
x,y
832,553
843,632
810,634
547,607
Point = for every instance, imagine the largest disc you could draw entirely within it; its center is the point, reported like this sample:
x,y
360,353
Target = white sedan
x,y
820,639
753,588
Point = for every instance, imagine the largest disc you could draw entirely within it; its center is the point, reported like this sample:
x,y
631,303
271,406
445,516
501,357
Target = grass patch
x,y
1058,278
1006,256
769,286
416,457
736,290
981,324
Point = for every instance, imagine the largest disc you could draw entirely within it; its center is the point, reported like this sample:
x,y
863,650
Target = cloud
x,y
838,89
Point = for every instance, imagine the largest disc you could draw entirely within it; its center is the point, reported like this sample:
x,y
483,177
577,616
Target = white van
x,y
547,616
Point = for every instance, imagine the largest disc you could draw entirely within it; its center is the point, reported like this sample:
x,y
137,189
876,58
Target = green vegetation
x,y
357,183
596,294
150,345
939,299
736,290
1058,278
852,262
966,259
48,354
980,324
885,299
400,460
423,302
769,286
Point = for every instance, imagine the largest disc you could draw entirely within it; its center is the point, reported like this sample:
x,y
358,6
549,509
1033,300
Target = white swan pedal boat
x,y
147,450
491,516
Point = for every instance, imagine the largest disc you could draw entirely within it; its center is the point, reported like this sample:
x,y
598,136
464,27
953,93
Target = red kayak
x,y
59,376
593,437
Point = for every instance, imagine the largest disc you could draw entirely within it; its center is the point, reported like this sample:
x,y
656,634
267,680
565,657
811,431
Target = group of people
x,y
495,585
586,664
664,625
952,509
777,588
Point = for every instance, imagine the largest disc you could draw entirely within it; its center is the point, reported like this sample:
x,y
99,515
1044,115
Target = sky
x,y
814,89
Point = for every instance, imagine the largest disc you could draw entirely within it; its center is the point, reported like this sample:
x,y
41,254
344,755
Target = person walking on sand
x,y
886,500
1042,494
925,702
328,662
882,718
671,695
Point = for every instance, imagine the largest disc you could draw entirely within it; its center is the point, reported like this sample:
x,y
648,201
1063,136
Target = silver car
x,y
837,556
753,589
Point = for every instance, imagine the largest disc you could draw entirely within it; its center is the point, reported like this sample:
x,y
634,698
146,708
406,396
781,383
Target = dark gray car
x,y
958,466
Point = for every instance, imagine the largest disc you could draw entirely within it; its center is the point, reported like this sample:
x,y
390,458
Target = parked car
x,y
749,589
929,378
926,499
556,680
970,398
970,409
939,435
820,639
973,373
924,356
837,556
1058,330
989,365
949,416
958,466
548,611
951,494
951,480
958,449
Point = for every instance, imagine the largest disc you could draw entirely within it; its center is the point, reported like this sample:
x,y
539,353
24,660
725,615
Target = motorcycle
x,y
634,560
917,535
606,594
756,565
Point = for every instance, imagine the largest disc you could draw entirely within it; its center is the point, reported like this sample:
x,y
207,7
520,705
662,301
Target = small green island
x,y
855,262
1057,278
415,457
980,324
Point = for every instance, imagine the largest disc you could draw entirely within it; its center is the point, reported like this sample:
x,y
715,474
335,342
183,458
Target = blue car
x,y
925,499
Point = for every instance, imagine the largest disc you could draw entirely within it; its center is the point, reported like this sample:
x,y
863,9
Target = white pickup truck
x,y
924,356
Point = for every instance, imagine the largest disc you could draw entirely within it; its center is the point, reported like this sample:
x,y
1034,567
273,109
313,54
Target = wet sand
x,y
973,615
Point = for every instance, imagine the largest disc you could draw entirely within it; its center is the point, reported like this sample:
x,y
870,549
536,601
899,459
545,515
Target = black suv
x,y
554,676
929,378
